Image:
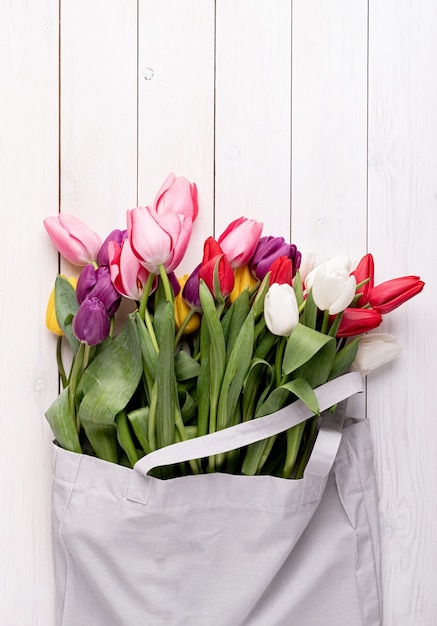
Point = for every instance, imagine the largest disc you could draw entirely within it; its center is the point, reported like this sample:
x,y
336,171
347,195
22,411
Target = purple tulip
x,y
268,250
190,292
116,235
91,323
97,283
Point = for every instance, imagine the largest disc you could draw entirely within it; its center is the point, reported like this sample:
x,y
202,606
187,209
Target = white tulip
x,y
333,288
374,350
281,312
334,262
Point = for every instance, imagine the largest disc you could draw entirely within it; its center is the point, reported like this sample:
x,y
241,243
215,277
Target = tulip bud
x,y
358,321
268,250
392,293
96,283
177,195
239,240
375,350
127,274
281,271
334,263
117,236
91,323
243,279
182,310
281,312
216,270
73,239
333,288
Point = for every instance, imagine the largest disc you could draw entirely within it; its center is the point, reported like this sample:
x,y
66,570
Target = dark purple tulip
x,y
268,250
96,283
174,283
190,291
116,235
91,323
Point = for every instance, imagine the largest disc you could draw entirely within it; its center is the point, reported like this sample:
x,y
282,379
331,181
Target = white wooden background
x,y
318,117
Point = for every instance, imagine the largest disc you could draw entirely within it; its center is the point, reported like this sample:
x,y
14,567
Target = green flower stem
x,y
151,330
183,435
165,281
184,324
278,359
145,296
60,363
294,436
265,455
325,323
152,417
307,448
335,324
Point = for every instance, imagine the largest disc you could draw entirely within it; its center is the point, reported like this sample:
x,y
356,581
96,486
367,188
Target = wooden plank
x,y
253,65
329,132
28,192
402,225
176,105
99,111
329,129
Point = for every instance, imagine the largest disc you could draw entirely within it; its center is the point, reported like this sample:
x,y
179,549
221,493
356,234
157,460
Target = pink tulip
x,y
73,239
239,240
177,195
127,273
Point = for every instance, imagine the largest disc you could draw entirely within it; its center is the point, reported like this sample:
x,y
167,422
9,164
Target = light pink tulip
x,y
73,239
177,195
158,240
240,240
127,273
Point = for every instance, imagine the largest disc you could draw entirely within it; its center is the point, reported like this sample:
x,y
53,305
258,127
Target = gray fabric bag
x,y
220,549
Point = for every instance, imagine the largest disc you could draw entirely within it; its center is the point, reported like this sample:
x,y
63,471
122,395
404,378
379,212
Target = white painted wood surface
x,y
318,118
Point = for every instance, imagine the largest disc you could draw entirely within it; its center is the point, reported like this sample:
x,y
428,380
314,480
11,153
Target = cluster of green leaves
x,y
139,391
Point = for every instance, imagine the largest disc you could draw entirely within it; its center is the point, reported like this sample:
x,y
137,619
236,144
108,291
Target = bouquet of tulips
x,y
246,333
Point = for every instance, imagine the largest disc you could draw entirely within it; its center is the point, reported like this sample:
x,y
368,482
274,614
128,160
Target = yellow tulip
x,y
242,279
182,311
51,319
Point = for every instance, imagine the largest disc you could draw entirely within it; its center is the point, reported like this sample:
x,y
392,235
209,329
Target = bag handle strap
x,y
252,431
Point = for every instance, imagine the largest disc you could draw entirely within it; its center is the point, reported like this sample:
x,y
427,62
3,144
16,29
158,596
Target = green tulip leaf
x,y
139,419
185,366
166,379
66,307
302,345
63,423
344,358
303,390
111,378
125,438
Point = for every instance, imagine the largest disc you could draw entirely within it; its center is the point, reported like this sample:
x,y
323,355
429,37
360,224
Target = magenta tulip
x,y
239,240
127,273
73,239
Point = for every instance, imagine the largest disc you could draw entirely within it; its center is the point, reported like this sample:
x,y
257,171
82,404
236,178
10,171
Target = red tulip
x,y
73,239
239,240
358,321
281,271
213,257
392,293
364,272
